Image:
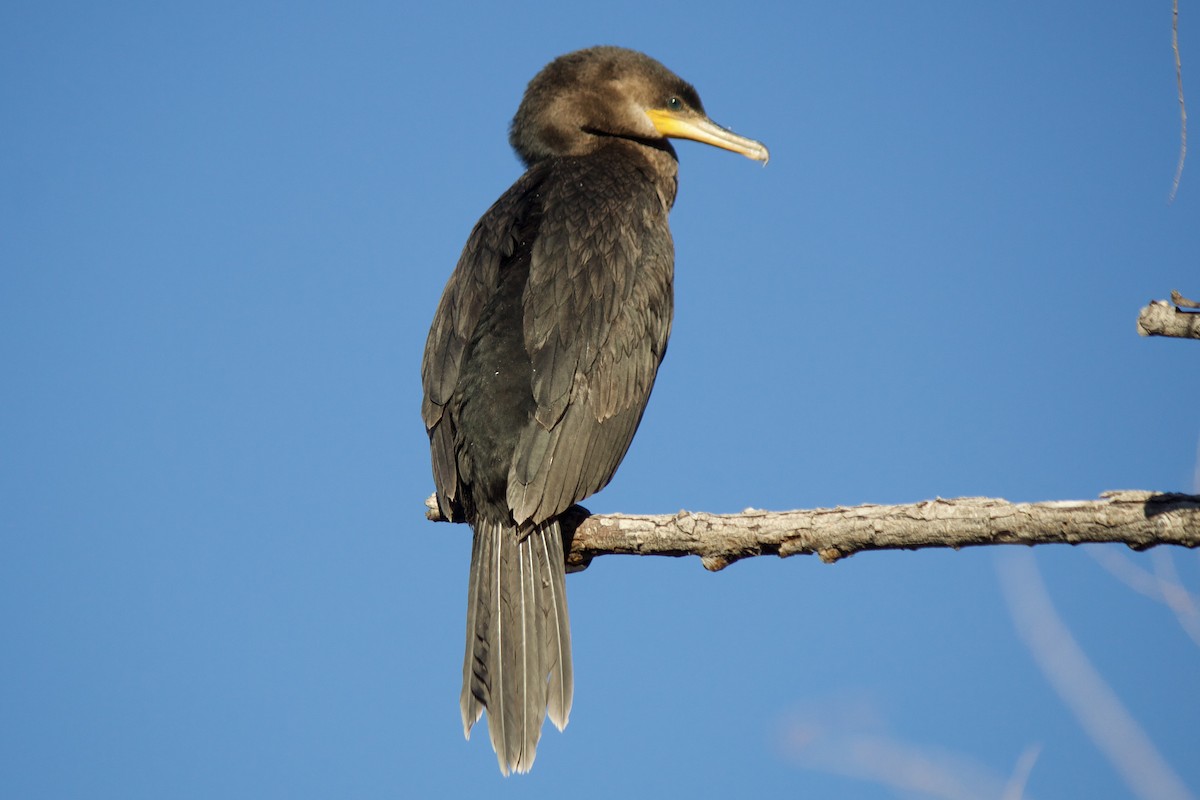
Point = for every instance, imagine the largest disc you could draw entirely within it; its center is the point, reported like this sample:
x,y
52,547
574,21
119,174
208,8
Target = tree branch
x,y
1138,519
1161,318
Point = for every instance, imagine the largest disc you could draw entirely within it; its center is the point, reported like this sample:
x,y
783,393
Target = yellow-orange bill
x,y
699,128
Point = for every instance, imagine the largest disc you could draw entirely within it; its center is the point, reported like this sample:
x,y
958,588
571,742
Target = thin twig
x,y
1182,105
1182,302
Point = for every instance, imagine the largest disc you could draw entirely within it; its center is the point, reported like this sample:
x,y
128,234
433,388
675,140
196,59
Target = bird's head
x,y
580,100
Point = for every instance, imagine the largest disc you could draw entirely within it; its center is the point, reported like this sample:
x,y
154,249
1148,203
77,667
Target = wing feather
x,y
597,312
471,285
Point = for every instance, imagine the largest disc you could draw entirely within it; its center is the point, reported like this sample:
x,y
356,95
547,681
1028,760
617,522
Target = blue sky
x,y
225,230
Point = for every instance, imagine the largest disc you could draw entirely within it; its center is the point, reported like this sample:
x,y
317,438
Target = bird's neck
x,y
656,159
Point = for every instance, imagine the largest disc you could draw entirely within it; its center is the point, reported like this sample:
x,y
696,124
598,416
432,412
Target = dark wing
x,y
598,310
471,285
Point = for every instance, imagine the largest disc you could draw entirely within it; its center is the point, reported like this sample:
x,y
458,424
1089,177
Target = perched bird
x,y
542,355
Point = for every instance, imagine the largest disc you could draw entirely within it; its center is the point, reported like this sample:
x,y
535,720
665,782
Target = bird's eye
x,y
675,104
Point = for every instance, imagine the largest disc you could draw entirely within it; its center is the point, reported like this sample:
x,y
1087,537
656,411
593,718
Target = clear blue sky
x,y
224,230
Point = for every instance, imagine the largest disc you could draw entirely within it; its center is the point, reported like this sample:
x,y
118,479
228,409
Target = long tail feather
x,y
556,628
517,663
474,695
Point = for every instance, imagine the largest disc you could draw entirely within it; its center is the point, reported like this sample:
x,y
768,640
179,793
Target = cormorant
x,y
542,355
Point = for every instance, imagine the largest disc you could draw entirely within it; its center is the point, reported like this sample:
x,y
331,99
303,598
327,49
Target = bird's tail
x,y
518,656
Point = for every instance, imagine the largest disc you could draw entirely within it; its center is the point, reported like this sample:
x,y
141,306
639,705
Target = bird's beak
x,y
699,128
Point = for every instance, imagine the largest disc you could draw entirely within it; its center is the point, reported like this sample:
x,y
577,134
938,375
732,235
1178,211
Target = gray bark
x,y
1137,519
1162,318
